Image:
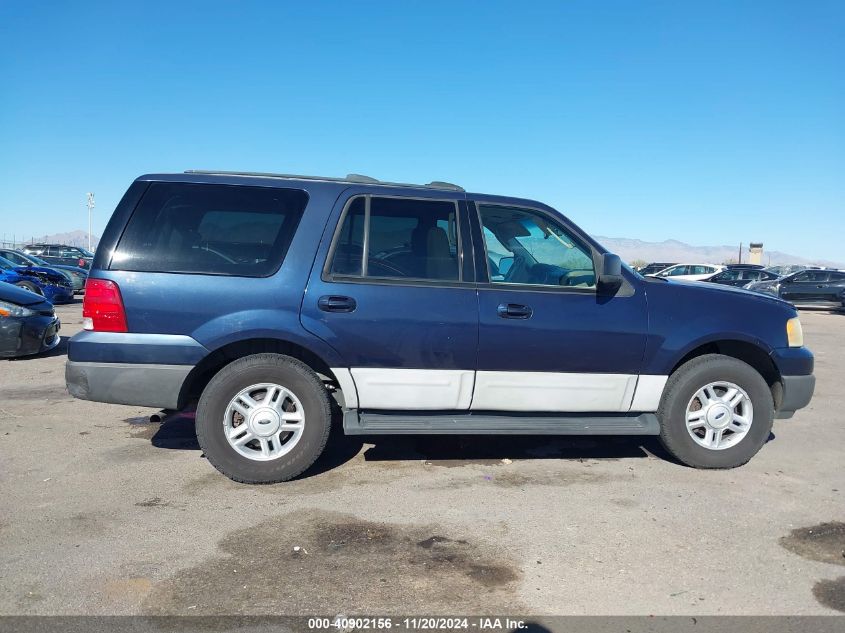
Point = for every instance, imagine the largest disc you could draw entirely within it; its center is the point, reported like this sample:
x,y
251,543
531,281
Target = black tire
x,y
242,373
681,388
28,285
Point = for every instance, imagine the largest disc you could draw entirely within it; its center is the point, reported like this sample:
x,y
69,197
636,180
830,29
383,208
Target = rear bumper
x,y
145,385
797,393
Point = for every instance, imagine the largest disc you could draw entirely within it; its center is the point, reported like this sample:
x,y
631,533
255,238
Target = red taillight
x,y
102,307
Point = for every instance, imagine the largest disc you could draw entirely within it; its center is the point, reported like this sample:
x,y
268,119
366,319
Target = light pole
x,y
90,205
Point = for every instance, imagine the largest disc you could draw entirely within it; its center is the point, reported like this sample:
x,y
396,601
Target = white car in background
x,y
690,272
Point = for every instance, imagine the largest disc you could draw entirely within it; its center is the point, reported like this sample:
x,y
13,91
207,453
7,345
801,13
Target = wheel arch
x,y
753,354
208,367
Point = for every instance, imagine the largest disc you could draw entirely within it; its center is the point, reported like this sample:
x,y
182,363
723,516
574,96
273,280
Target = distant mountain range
x,y
675,251
628,249
71,238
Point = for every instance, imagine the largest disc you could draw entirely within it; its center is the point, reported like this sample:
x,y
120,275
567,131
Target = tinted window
x,y
405,239
212,229
677,270
526,247
837,276
811,275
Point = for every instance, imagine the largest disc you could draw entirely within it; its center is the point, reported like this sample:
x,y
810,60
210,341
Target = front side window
x,y
398,238
526,247
210,229
675,271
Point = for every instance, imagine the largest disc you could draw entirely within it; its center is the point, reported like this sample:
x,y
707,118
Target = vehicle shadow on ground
x,y
177,432
459,450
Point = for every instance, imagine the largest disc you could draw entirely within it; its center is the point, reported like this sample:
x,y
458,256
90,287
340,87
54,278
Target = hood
x,y
721,291
19,296
52,275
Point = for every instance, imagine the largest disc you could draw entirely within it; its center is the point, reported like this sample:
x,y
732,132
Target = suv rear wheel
x,y
716,412
263,419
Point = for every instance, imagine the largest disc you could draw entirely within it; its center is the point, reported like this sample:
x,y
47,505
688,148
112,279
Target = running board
x,y
357,422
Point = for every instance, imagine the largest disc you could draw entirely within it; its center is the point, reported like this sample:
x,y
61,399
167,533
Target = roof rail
x,y
350,178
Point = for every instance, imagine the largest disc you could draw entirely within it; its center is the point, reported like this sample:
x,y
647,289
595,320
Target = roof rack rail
x,y
442,184
350,178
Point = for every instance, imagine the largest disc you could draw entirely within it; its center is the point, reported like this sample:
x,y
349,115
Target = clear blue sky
x,y
708,122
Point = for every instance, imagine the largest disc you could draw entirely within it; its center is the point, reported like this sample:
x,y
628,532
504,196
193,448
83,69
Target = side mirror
x,y
610,272
505,264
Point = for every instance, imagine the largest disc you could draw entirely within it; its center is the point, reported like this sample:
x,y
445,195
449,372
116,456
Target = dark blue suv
x,y
419,309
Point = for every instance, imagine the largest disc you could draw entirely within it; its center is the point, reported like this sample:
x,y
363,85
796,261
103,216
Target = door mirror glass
x,y
505,265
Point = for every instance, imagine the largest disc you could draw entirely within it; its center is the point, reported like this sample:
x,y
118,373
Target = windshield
x,y
87,253
5,264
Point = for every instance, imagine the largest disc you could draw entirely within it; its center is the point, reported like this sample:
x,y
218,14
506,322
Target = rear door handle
x,y
514,311
336,303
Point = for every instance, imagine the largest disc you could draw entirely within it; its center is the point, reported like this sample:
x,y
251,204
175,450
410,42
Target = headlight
x,y
794,332
14,310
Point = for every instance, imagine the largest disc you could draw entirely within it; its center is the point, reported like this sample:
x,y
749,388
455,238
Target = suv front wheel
x,y
263,419
716,412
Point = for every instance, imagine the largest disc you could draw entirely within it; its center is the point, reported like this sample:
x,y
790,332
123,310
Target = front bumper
x,y
58,294
25,336
144,385
797,393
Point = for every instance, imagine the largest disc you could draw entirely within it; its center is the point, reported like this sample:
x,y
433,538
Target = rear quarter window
x,y
210,229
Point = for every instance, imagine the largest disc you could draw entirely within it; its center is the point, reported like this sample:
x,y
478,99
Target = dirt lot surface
x,y
105,512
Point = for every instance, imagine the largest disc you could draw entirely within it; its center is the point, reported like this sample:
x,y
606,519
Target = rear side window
x,y
210,229
398,238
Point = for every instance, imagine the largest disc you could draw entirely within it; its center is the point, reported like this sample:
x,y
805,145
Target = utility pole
x,y
90,205
739,259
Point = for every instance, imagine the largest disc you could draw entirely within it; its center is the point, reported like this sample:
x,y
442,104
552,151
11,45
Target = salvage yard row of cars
x,y
799,285
32,279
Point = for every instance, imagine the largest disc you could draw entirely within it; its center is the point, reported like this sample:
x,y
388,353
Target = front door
x,y
393,292
548,341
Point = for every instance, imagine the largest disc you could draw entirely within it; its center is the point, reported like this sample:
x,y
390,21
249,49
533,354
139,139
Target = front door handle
x,y
514,311
336,303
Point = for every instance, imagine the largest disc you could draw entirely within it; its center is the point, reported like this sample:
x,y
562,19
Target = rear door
x,y
547,340
806,287
392,290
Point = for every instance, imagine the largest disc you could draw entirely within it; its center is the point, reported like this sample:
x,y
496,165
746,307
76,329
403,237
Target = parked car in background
x,y
54,286
788,269
423,309
689,272
28,324
77,276
740,276
813,287
61,254
654,267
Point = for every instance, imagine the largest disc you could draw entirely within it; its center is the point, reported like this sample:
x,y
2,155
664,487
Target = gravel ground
x,y
105,512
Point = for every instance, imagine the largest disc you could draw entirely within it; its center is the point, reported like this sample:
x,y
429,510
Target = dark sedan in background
x,y
818,288
28,324
61,254
77,276
741,276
